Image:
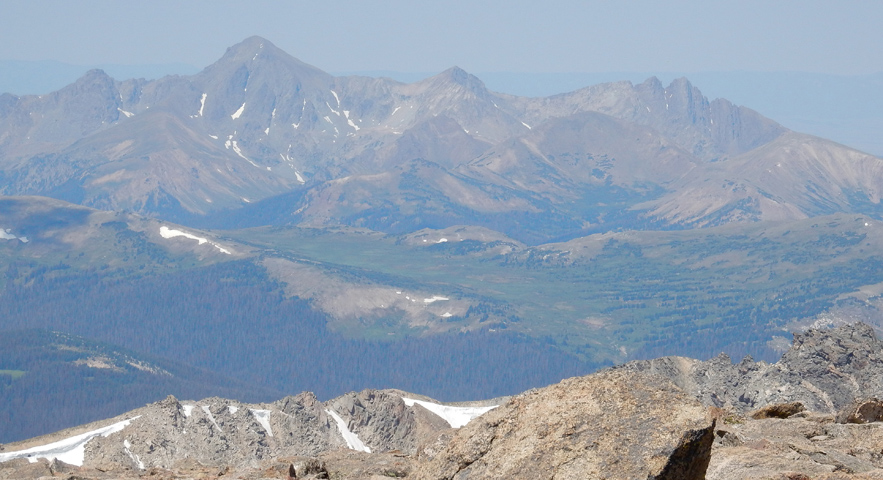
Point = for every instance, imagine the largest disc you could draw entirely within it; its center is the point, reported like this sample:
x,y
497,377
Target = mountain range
x,y
424,236
443,151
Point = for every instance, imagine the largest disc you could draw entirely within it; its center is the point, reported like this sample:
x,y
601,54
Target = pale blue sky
x,y
841,37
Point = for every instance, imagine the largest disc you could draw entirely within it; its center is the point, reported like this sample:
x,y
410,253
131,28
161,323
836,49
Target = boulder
x,y
865,410
778,410
22,469
616,424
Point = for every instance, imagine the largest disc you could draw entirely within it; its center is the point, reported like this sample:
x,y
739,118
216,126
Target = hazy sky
x,y
840,36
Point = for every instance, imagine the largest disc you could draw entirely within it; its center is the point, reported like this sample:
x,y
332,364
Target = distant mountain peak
x,y
459,76
255,62
251,44
255,40
96,75
256,48
456,77
681,84
455,73
653,82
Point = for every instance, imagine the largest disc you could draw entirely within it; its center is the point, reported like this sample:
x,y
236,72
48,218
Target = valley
x,y
289,230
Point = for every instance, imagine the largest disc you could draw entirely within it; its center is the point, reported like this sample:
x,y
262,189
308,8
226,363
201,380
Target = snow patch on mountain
x,y
238,112
352,440
232,143
70,450
166,232
135,458
455,416
263,417
211,417
6,234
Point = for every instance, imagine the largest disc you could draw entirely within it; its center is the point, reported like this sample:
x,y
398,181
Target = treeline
x,y
232,319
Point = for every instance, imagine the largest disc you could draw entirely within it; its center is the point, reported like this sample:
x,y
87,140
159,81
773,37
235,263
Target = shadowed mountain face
x,y
259,123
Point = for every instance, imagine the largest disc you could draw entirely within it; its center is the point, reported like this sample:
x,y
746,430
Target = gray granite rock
x,y
825,370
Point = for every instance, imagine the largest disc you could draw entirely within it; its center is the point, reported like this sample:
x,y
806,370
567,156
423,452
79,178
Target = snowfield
x,y
70,450
455,416
6,234
166,232
135,458
352,440
263,417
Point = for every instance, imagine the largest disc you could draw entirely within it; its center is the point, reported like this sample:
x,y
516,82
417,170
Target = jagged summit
x,y
825,370
218,431
651,83
93,75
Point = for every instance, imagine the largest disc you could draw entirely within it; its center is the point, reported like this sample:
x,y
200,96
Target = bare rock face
x,y
216,432
616,424
380,419
21,469
825,370
804,446
845,362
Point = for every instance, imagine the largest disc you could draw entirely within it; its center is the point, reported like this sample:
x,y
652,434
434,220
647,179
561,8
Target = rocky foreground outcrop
x,y
815,414
615,424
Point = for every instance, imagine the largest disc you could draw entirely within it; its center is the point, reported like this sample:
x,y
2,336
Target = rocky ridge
x,y
814,414
825,370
